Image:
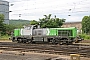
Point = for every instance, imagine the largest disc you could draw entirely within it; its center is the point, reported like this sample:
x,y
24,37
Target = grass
x,y
85,36
5,37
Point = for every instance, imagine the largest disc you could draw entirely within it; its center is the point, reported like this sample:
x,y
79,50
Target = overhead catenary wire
x,y
74,8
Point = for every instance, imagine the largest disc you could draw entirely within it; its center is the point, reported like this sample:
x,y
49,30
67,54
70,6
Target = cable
x,y
74,8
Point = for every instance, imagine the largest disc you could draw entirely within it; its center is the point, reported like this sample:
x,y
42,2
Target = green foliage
x,y
13,24
1,24
33,22
6,29
18,23
1,21
86,37
44,22
9,29
86,24
4,37
1,18
49,22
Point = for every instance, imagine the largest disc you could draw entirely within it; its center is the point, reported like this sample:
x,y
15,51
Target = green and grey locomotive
x,y
34,33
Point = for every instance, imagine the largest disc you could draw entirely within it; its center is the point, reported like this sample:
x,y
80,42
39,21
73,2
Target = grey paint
x,y
27,30
40,32
34,31
4,9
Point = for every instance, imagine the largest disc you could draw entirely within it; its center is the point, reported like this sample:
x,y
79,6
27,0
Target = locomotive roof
x,y
65,28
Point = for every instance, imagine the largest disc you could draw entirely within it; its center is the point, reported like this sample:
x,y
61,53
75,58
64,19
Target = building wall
x,y
78,25
4,9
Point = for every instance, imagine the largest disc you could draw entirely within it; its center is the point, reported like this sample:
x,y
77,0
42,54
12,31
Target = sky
x,y
71,10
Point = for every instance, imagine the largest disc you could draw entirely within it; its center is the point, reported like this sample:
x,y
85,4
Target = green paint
x,y
72,29
52,32
17,32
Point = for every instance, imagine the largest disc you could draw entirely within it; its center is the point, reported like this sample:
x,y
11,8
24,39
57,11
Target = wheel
x,y
29,40
19,40
24,40
53,41
13,40
61,43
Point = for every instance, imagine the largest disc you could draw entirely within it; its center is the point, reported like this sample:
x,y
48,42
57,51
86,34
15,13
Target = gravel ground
x,y
85,41
14,55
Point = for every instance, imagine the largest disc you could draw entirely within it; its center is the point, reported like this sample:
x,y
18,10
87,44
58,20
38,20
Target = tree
x,y
48,22
86,24
1,23
44,21
1,18
5,28
33,22
51,22
8,29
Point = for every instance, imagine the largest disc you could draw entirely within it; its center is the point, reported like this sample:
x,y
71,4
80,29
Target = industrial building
x,y
78,25
4,9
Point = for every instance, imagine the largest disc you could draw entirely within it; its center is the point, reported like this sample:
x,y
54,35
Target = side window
x,y
27,28
70,32
35,27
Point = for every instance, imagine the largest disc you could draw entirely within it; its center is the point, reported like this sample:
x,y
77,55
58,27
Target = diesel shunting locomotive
x,y
34,33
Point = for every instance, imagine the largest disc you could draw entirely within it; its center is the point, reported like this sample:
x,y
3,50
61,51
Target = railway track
x,y
82,49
